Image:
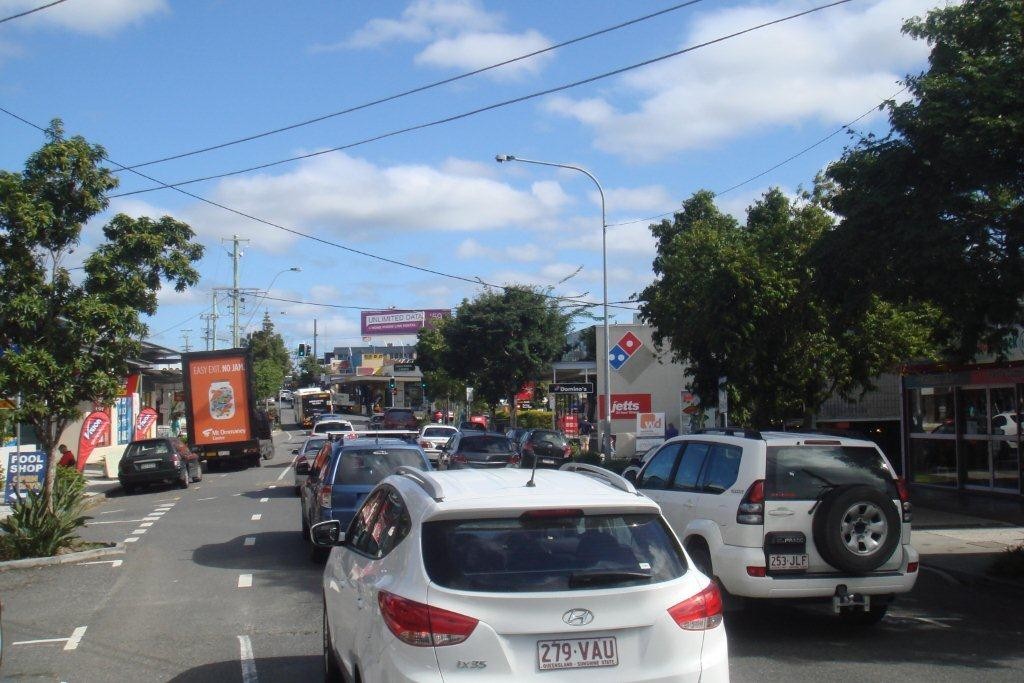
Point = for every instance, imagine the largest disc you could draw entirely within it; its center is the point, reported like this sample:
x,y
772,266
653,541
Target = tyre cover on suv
x,y
856,528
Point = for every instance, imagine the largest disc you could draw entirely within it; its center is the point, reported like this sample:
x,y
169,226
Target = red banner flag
x,y
145,420
94,428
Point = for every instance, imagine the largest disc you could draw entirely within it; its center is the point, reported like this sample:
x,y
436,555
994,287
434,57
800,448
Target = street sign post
x,y
571,388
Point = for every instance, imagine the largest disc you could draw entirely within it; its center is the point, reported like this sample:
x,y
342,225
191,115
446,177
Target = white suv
x,y
480,575
788,515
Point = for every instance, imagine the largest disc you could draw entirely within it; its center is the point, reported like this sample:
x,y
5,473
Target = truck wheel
x,y
198,475
254,461
183,483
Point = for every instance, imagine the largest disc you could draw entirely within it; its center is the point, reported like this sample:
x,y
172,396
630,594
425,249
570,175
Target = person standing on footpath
x,y
671,431
67,458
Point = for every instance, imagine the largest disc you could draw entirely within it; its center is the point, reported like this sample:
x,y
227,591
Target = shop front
x,y
961,428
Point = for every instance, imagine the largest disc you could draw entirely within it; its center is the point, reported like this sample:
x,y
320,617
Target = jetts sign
x,y
626,406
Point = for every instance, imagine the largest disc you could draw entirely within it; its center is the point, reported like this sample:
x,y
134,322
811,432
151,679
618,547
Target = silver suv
x,y
782,515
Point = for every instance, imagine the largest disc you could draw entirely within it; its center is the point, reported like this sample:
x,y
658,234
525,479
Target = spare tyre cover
x,y
856,528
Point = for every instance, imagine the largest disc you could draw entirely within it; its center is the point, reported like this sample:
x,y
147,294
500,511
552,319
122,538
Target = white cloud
x,y
89,16
423,20
830,67
469,51
353,200
469,168
550,194
649,198
472,249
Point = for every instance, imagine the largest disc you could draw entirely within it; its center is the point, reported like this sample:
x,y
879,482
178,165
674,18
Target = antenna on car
x,y
533,474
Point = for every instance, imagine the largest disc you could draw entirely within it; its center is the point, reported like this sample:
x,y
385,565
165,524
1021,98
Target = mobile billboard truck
x,y
224,425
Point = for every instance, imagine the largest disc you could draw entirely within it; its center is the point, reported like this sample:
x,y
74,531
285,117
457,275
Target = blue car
x,y
344,472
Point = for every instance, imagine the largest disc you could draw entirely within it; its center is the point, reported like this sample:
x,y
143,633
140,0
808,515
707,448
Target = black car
x,y
158,461
548,447
478,450
516,435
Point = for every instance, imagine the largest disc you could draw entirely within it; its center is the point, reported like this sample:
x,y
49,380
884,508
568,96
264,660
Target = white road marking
x,y
264,500
40,640
273,486
139,532
285,470
925,620
257,517
245,580
145,525
202,499
110,512
163,508
248,661
250,540
151,518
236,494
112,563
116,521
76,638
131,539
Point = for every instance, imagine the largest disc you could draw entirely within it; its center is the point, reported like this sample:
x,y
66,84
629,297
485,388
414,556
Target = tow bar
x,y
844,598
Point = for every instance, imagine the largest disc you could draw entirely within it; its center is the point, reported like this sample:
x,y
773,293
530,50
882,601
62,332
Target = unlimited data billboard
x,y
400,322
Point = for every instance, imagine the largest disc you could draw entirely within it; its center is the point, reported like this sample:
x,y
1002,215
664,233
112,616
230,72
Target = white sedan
x,y
432,437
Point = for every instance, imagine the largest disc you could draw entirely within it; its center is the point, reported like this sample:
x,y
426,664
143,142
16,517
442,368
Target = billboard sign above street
x,y
626,406
571,388
400,321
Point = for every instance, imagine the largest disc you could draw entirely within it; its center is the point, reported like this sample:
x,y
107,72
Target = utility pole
x,y
185,337
235,255
213,322
314,338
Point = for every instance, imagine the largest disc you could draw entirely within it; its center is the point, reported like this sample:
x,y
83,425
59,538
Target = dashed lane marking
x,y
236,494
110,512
247,659
131,539
199,500
139,532
264,500
69,643
285,471
250,540
117,521
76,638
245,580
257,517
145,525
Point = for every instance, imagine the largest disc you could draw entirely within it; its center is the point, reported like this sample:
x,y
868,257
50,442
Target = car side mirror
x,y
295,451
630,477
327,534
302,468
636,462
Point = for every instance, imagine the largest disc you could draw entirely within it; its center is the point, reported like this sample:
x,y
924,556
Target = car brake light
x,y
459,457
424,443
325,496
547,514
567,450
423,625
912,567
905,504
700,612
751,508
175,460
514,459
757,571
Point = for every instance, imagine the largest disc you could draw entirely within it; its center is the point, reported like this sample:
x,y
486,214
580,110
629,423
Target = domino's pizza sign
x,y
624,350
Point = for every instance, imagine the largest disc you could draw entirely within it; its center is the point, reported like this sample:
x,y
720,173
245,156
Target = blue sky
x,y
153,78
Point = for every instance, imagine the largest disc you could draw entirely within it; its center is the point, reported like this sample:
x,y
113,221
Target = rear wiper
x,y
591,578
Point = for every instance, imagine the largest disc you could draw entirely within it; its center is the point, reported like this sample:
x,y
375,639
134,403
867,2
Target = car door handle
x,y
781,512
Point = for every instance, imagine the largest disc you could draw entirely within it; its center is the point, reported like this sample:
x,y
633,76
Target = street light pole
x,y
606,428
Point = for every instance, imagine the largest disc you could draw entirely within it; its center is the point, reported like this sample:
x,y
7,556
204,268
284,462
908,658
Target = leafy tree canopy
x,y
934,212
267,346
741,302
309,372
503,339
67,341
430,357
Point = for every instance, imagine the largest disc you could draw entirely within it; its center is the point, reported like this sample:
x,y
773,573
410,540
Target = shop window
x,y
933,461
931,410
973,412
976,467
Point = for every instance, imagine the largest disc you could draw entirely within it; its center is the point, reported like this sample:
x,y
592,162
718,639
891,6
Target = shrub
x,y
1010,564
531,419
33,531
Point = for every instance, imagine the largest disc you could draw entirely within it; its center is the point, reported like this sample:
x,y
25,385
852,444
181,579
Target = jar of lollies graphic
x,y
222,400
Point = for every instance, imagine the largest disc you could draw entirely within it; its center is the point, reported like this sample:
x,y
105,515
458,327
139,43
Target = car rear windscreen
x,y
438,431
324,427
368,466
313,445
520,555
154,448
486,444
806,472
553,438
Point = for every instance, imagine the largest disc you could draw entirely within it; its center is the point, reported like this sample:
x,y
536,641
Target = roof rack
x,y
424,480
609,477
732,431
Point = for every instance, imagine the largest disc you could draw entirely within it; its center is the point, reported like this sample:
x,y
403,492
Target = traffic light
x,y
391,384
423,386
309,350
302,350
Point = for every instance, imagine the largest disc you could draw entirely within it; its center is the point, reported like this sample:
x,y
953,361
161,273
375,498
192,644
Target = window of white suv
x,y
805,472
689,466
658,472
721,469
541,552
380,524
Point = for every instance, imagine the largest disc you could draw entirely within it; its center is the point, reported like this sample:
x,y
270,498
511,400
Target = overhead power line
x,y
782,163
419,89
31,11
315,238
480,110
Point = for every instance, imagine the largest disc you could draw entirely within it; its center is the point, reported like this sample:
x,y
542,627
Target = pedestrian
x,y
671,431
67,458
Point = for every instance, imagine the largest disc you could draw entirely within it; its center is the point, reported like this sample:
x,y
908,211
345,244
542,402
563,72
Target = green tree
x,y
934,211
503,339
66,342
741,302
268,349
430,346
309,372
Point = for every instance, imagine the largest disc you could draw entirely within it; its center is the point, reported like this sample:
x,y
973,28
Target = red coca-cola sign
x,y
626,406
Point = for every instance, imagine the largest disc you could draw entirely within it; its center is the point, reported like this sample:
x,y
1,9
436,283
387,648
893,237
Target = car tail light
x,y
424,443
751,508
566,450
514,459
554,512
701,612
175,460
905,504
325,496
757,571
527,448
423,625
460,458
912,567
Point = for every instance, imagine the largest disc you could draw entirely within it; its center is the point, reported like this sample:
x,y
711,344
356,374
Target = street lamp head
x,y
295,269
503,157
